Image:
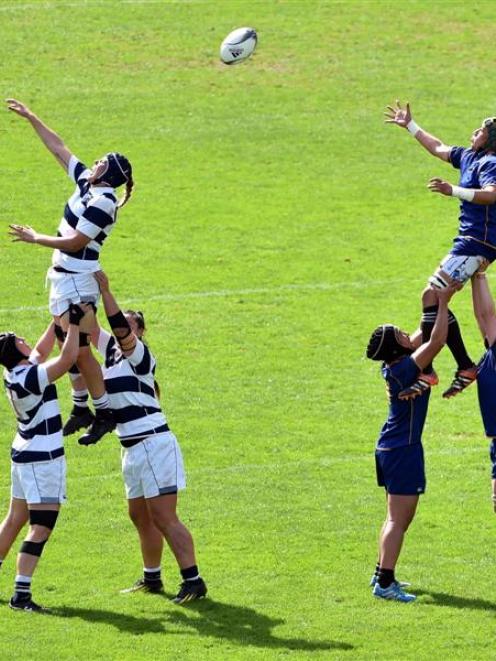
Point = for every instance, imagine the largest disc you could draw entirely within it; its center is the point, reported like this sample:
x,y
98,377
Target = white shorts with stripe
x,y
40,482
458,267
153,467
67,288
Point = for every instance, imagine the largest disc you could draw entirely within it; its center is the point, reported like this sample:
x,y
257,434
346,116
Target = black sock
x,y
377,567
190,573
456,345
152,576
386,577
427,322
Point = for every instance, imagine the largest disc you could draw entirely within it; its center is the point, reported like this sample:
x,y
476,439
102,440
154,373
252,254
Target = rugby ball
x,y
238,45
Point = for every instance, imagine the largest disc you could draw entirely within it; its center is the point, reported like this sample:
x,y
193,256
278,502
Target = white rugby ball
x,y
238,45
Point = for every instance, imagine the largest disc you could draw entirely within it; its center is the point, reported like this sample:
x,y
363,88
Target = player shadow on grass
x,y
243,626
454,601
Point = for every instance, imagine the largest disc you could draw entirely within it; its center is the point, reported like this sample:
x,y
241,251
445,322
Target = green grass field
x,y
276,221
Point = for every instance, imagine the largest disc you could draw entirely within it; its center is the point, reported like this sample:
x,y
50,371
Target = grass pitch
x,y
275,222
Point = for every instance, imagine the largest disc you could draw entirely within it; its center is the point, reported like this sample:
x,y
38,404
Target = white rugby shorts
x,y
153,467
458,267
67,288
40,482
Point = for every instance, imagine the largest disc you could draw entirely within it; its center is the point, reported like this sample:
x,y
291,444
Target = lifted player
x,y
475,244
38,461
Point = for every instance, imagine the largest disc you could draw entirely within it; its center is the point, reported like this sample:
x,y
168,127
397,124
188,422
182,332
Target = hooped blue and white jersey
x,y
36,407
129,382
477,230
91,210
486,390
406,418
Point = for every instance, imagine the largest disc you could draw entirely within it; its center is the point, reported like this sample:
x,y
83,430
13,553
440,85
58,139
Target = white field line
x,y
30,6
237,469
224,293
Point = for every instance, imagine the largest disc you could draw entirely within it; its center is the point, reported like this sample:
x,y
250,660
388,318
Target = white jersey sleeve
x,y
97,217
105,341
141,359
76,169
36,379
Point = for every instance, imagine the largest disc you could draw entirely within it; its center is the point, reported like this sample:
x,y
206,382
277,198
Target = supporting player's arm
x,y
44,346
50,139
57,367
72,243
118,322
484,309
403,117
426,353
486,195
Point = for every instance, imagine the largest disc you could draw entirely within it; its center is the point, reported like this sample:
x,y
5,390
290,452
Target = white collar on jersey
x,y
100,190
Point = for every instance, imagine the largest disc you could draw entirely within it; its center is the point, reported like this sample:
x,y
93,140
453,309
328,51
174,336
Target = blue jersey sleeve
x,y
455,156
487,174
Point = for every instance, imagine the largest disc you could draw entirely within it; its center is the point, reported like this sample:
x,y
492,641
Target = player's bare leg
x,y
162,510
11,526
92,374
152,544
29,555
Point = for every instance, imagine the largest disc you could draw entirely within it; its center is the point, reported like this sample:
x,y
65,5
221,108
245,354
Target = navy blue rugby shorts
x,y
401,470
492,455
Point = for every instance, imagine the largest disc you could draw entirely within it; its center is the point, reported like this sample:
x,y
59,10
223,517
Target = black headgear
x,y
490,124
10,356
383,344
118,172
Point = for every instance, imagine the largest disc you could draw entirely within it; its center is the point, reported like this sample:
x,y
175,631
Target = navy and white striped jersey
x,y
92,210
130,387
36,407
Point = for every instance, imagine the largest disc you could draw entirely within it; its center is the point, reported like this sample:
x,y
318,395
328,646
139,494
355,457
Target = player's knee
x,y
42,522
164,521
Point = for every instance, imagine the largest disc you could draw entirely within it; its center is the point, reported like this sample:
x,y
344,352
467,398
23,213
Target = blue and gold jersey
x,y
486,390
477,230
406,418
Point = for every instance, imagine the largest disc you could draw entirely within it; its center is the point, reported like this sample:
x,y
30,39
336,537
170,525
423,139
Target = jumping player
x,y
475,244
38,462
89,216
399,454
485,314
152,464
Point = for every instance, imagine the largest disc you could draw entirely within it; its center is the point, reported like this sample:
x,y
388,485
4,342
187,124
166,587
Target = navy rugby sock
x,y
191,573
456,344
386,577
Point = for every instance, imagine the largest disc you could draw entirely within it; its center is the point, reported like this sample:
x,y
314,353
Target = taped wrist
x,y
33,548
119,322
59,333
466,194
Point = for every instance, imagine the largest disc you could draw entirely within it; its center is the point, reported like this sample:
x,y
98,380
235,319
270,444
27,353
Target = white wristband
x,y
466,194
412,127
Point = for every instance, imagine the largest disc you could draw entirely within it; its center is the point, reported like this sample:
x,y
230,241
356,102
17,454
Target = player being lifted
x,y
475,244
89,216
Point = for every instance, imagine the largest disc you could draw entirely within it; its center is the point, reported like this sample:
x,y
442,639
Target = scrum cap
x,y
383,344
490,124
10,356
118,172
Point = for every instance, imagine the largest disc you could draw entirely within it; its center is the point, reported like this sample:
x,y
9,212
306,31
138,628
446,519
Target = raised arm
x,y
44,346
73,242
426,353
484,309
118,322
50,139
402,117
57,367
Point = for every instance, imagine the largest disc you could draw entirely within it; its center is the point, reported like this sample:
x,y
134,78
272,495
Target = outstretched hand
x,y
398,115
437,185
22,233
103,281
445,295
18,107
